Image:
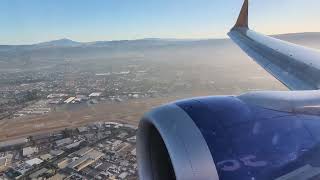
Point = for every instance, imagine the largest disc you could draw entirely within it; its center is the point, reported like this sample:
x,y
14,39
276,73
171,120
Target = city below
x,y
102,150
71,110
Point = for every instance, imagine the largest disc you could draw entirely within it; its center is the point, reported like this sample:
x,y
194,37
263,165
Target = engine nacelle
x,y
255,136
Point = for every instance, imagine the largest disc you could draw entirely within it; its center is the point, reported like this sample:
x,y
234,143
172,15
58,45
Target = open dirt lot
x,y
127,112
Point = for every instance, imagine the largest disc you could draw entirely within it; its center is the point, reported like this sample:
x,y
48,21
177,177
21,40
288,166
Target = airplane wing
x,y
258,135
297,67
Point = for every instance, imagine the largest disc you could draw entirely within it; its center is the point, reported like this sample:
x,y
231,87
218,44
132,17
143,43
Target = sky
x,y
33,21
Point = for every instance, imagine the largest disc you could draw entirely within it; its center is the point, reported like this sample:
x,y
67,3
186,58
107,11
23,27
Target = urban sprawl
x,y
102,150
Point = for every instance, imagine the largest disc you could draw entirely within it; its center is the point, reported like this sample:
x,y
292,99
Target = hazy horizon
x,y
149,38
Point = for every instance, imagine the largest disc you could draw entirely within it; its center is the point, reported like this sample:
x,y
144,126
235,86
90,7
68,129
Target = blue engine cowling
x,y
256,136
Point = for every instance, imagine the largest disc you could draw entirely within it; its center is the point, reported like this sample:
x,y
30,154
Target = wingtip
x,y
243,16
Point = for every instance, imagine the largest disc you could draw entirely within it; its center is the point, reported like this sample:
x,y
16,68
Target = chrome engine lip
x,y
187,148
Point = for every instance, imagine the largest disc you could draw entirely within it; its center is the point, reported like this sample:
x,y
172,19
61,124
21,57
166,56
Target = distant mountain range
x,y
57,51
68,42
294,37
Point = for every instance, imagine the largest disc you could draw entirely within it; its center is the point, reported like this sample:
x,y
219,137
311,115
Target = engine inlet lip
x,y
188,151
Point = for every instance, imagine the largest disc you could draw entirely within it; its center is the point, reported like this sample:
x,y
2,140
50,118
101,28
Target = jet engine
x,y
255,136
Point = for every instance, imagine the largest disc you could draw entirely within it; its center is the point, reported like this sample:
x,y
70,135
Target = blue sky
x,y
32,21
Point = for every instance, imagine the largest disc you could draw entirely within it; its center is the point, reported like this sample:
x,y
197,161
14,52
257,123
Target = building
x,y
69,100
95,95
12,174
34,161
64,141
82,129
132,139
73,145
122,135
57,177
123,148
46,157
63,163
86,160
3,163
95,155
56,152
38,173
50,96
134,152
123,175
130,126
84,151
28,151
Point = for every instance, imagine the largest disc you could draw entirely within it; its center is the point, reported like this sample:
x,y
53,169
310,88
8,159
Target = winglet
x,y
243,16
